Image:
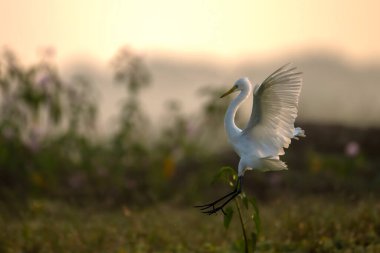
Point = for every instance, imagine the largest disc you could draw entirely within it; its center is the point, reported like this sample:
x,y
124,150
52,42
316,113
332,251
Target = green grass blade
x,y
256,215
229,211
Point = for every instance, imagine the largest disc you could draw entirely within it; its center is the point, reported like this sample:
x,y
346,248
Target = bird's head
x,y
241,84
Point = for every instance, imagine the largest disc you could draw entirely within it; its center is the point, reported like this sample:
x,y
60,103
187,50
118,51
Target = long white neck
x,y
229,118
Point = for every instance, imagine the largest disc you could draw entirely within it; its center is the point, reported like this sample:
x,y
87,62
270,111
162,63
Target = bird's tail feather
x,y
298,132
272,164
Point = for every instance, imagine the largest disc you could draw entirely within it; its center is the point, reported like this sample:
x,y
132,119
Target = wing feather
x,y
274,110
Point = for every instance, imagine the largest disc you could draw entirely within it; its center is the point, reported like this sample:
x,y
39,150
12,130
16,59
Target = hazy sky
x,y
224,32
228,29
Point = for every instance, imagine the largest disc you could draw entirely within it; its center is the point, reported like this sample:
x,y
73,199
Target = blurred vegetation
x,y
56,171
49,146
311,224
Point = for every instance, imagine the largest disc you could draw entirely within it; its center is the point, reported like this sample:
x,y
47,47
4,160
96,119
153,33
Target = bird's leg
x,y
216,209
213,205
220,199
202,207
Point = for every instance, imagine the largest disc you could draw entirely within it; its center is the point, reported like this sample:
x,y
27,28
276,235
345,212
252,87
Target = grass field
x,y
307,224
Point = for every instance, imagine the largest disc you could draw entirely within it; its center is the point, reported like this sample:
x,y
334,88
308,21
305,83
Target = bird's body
x,y
269,129
261,143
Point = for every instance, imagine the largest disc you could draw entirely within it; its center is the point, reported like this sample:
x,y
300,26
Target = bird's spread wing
x,y
275,102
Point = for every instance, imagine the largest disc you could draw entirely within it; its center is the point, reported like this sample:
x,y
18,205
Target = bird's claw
x,y
210,209
217,205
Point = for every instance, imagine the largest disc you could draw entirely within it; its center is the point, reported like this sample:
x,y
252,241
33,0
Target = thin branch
x,y
242,226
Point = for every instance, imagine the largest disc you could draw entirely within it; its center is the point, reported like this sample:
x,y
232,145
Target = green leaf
x,y
224,174
256,215
228,212
244,199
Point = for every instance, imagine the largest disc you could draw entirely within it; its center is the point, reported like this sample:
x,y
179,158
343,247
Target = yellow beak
x,y
229,92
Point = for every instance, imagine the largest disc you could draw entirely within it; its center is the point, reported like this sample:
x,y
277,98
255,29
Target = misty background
x,y
110,114
335,90
126,93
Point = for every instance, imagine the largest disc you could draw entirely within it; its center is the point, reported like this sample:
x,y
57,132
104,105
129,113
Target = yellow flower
x,y
168,167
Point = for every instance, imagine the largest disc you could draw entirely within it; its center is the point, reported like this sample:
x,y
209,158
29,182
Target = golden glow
x,y
225,28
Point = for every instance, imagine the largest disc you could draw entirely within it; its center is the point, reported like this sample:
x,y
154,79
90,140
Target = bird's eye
x,y
235,86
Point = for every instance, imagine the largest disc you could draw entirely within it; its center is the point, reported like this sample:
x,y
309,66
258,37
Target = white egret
x,y
269,129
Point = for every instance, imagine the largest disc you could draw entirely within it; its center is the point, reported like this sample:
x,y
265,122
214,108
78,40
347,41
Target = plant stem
x,y
242,227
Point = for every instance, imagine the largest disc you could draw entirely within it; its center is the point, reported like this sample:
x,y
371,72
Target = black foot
x,y
217,205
